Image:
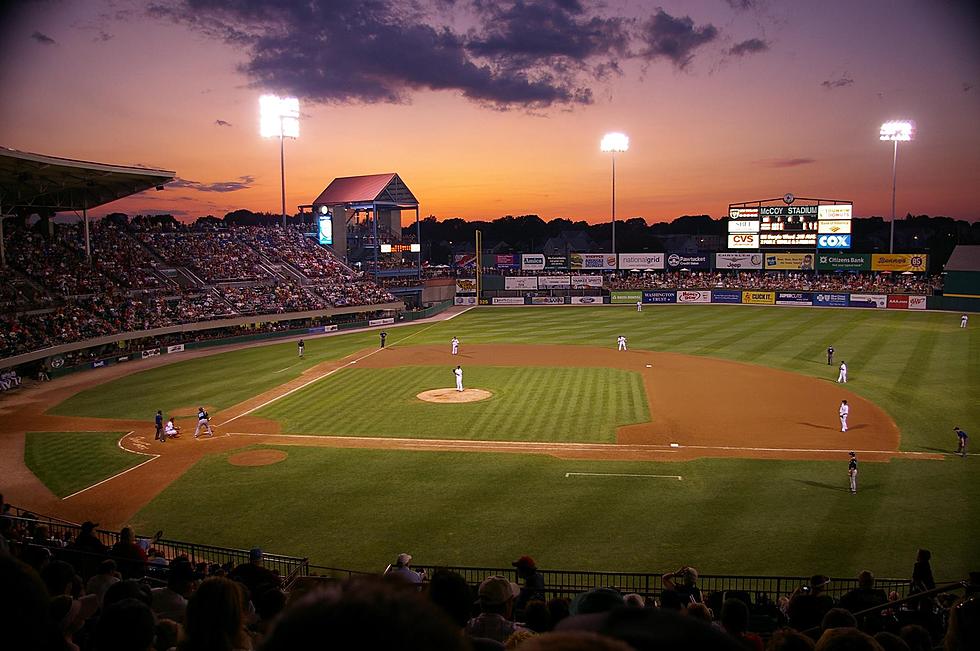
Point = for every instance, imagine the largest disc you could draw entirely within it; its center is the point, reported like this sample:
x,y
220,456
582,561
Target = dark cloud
x,y
840,82
967,87
743,5
222,123
103,37
749,46
674,38
243,183
43,39
785,162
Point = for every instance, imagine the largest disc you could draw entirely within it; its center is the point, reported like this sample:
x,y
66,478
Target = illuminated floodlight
x,y
898,130
278,116
615,142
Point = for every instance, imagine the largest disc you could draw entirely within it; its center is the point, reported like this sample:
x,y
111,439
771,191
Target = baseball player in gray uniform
x,y
852,473
203,421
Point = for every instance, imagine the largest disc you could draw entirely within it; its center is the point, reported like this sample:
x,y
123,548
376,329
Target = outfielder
x,y
962,440
300,345
621,343
639,306
844,411
458,372
852,473
964,320
203,421
842,376
455,343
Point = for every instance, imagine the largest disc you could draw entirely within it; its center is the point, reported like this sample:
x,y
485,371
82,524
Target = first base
x,y
675,445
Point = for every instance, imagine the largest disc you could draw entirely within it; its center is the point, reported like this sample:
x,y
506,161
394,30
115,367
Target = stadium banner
x,y
842,241
152,352
898,302
743,226
586,281
625,297
521,282
759,298
592,261
532,261
843,262
178,348
507,261
504,300
834,226
124,358
738,261
555,262
554,282
641,260
650,296
465,285
726,296
899,261
693,296
56,361
879,301
743,240
743,213
917,302
588,300
377,322
319,330
465,300
835,212
830,300
464,260
547,300
797,261
699,261
794,298
98,363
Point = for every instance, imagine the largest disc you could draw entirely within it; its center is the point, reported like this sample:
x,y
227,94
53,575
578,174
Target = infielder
x,y
639,306
621,343
844,411
962,440
384,335
300,345
842,376
203,421
830,355
964,320
852,473
458,372
455,343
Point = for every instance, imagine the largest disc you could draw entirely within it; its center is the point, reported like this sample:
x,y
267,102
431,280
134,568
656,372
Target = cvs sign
x,y
743,241
842,241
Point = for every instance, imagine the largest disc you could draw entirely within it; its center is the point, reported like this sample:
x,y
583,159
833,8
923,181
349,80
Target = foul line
x,y
153,457
285,369
619,474
841,450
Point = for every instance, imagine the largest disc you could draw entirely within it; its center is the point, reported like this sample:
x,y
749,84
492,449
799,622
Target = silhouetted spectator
x,y
25,620
536,616
129,556
922,572
735,621
891,642
809,604
846,639
531,582
786,639
496,599
863,597
215,618
838,618
684,584
254,575
126,625
450,592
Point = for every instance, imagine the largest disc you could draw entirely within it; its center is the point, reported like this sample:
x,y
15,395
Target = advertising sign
x,y
834,226
626,297
830,300
377,322
682,261
506,300
843,211
898,302
789,261
899,262
743,240
586,281
641,260
726,296
554,282
917,302
547,300
319,330
98,363
324,229
759,298
555,262
465,285
843,261
507,261
179,348
693,296
592,261
465,300
842,241
532,261
520,282
743,226
588,300
124,358
868,300
650,296
794,298
153,352
464,260
738,261
743,213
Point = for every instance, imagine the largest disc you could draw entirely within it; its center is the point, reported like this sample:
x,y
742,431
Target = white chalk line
x,y
286,369
841,450
620,474
152,456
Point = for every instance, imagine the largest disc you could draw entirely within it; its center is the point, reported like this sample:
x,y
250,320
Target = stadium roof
x,y
386,189
964,258
37,181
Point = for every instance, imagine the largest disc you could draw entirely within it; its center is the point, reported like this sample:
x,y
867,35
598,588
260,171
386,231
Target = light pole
x,y
279,118
896,131
613,143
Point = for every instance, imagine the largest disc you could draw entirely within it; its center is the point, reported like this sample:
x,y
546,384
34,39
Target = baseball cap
x,y
497,590
88,526
818,580
404,559
525,562
255,554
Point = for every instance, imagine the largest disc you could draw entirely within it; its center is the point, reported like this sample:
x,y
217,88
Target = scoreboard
x,y
790,226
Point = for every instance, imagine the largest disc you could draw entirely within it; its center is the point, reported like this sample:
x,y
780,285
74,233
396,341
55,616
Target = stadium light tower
x,y
279,118
614,143
896,131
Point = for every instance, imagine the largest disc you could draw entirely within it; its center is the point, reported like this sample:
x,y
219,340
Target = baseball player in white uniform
x,y
455,343
842,376
458,372
964,320
639,306
621,343
844,411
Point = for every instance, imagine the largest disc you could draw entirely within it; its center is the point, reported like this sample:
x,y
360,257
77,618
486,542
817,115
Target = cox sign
x,y
842,241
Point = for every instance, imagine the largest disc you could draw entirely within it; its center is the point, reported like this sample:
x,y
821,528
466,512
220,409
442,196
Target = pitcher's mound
x,y
257,458
452,395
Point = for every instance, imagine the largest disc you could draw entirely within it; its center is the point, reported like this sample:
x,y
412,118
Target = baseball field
x,y
713,441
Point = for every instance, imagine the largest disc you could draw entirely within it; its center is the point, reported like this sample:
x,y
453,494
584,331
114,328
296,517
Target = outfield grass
x,y
360,508
529,404
67,462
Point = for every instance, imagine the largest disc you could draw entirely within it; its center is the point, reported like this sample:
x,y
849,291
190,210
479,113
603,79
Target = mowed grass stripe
x,y
67,462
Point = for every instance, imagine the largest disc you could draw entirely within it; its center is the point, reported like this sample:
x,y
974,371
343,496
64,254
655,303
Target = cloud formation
x,y
43,39
785,162
749,46
841,82
674,38
243,183
742,5
222,123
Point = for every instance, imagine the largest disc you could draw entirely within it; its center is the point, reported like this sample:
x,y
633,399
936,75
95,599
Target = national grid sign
x,y
790,222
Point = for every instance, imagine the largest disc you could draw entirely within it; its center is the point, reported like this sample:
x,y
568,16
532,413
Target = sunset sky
x,y
491,108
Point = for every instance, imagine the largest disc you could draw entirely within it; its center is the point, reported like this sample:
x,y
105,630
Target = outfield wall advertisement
x,y
879,301
693,296
650,296
726,296
587,300
592,261
465,285
465,300
902,302
830,300
899,262
698,261
626,297
759,298
521,282
548,300
555,262
843,262
780,261
593,281
554,282
738,261
794,298
505,300
641,260
532,261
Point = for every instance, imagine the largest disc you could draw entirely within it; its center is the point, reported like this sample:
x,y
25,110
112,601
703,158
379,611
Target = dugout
x,y
961,285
